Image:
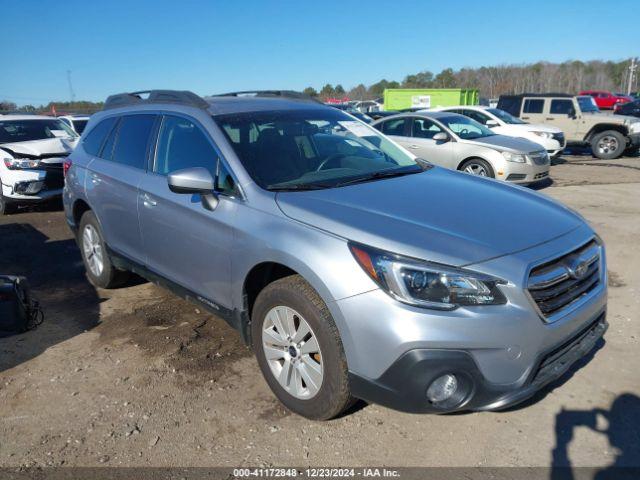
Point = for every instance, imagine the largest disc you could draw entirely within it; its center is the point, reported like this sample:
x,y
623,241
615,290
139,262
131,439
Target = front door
x,y
184,242
562,114
424,146
112,184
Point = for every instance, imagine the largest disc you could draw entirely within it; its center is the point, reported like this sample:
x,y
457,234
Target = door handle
x,y
413,147
525,118
147,201
549,118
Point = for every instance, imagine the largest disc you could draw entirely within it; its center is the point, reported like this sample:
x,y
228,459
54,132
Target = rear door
x,y
562,114
185,242
533,109
112,186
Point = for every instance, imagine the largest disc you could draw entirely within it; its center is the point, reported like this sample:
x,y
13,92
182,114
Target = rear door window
x,y
133,140
533,105
95,139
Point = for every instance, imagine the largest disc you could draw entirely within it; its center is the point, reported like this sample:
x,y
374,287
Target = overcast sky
x,y
217,46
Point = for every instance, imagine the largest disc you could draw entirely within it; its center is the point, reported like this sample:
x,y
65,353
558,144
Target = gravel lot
x,y
137,377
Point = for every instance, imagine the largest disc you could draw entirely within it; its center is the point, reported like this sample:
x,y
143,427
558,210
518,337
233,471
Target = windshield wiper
x,y
378,175
300,187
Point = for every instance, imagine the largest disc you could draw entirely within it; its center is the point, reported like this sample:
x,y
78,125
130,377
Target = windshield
x,y
303,149
587,104
465,128
506,117
37,129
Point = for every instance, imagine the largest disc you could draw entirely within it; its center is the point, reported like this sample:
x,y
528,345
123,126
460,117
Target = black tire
x,y
6,207
334,396
480,163
110,276
608,145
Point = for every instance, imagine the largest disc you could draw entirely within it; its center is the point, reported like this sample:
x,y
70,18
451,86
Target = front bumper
x,y
404,385
33,185
523,173
500,345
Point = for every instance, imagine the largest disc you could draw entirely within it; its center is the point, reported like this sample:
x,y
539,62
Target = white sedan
x,y
503,123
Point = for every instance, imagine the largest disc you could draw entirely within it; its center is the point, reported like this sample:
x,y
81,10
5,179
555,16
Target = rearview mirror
x,y
441,137
196,180
492,123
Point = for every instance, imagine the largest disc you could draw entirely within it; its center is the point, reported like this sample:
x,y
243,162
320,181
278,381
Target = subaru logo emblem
x,y
578,270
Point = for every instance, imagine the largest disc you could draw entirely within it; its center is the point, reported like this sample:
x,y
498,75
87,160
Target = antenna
x,y
72,94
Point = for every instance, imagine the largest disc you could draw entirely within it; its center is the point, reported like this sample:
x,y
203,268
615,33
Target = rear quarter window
x,y
95,138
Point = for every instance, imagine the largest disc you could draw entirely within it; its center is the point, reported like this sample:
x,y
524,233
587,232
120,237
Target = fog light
x,y
442,388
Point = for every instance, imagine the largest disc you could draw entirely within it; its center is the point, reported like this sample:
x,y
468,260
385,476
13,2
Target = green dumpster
x,y
402,98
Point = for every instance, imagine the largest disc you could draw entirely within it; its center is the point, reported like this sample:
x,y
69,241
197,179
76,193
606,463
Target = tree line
x,y
567,77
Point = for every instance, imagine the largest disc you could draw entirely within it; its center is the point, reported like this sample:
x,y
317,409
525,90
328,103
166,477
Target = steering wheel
x,y
330,159
464,131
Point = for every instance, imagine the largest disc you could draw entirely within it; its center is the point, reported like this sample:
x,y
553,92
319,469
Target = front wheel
x,y
299,349
608,145
479,167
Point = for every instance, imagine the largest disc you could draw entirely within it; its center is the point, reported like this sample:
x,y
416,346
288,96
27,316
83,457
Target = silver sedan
x,y
460,143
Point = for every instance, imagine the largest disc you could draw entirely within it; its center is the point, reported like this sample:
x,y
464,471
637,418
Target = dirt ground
x,y
137,377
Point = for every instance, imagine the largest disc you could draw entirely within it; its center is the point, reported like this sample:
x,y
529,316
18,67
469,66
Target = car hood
x,y
506,143
39,148
438,215
536,127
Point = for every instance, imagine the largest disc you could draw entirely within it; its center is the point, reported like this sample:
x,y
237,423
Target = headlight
x,y
543,134
19,163
514,157
427,284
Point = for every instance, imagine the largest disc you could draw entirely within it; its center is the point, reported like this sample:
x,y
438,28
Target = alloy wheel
x,y
92,250
292,352
607,144
476,169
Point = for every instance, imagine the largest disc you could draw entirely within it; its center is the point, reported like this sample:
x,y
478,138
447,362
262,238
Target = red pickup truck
x,y
606,100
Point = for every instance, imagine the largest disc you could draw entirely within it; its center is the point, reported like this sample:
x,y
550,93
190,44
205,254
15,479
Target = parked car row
x,y
352,267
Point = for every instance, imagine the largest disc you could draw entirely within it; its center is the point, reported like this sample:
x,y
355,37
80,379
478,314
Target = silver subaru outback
x,y
353,269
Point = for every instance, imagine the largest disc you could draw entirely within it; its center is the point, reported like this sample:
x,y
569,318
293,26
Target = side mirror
x,y
492,123
196,180
441,137
572,113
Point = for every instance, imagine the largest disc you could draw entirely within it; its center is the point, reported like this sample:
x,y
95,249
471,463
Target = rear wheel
x,y
100,269
608,145
479,167
299,349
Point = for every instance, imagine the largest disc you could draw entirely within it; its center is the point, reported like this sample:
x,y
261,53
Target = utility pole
x,y
632,72
72,94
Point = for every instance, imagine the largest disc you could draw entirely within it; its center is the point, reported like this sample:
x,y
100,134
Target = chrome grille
x,y
539,158
555,285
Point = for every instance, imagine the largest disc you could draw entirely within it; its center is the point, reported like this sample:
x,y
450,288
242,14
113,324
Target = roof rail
x,y
288,94
182,97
